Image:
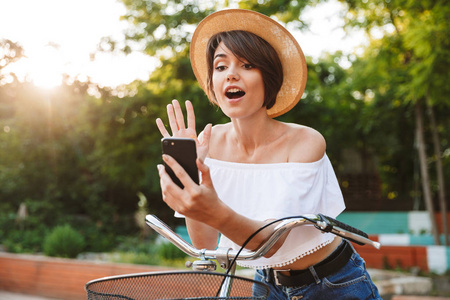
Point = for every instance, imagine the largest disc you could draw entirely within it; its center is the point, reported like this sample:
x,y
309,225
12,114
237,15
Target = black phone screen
x,y
184,151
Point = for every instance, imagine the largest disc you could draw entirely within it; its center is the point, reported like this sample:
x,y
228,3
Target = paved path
x,y
14,296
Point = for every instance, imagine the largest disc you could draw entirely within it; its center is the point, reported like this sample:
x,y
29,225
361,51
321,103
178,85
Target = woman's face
x,y
237,85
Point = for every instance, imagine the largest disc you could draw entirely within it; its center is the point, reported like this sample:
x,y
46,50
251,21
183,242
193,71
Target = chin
x,y
242,113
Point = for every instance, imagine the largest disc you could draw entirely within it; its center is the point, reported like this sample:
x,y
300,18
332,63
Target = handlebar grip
x,y
347,227
335,223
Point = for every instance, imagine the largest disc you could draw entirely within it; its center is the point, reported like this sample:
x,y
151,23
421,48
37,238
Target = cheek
x,y
216,82
258,84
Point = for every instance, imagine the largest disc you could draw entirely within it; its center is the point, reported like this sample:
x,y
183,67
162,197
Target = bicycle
x,y
203,282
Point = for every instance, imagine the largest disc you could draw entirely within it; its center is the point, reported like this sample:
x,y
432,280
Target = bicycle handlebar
x,y
320,221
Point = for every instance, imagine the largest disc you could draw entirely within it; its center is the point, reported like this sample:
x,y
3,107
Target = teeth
x,y
234,93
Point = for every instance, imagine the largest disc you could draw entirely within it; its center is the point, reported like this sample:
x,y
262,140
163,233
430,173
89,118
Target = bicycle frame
x,y
224,256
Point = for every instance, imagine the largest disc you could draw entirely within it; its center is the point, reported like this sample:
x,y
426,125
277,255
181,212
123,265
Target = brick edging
x,y
58,278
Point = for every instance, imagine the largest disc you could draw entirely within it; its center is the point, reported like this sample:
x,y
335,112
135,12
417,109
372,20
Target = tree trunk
x,y
439,171
424,171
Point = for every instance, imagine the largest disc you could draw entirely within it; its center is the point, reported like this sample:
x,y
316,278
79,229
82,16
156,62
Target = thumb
x,y
205,135
204,170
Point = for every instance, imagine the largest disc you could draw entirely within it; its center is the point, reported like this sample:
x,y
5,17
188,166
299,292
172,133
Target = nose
x,y
232,74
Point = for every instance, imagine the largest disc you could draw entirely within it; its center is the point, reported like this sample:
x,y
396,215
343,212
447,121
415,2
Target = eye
x,y
248,66
220,68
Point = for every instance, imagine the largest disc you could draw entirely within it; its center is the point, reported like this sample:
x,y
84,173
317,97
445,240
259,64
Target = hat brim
x,y
289,51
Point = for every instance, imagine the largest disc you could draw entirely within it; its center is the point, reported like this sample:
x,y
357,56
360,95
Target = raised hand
x,y
179,129
194,201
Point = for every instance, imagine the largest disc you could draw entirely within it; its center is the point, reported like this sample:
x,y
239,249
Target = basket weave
x,y
173,285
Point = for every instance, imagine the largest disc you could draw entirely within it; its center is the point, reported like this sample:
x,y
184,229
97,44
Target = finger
x,y
190,115
168,187
160,169
164,177
162,128
162,173
178,170
178,114
205,135
172,120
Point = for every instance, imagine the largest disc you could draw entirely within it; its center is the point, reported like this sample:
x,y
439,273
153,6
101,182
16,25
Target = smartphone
x,y
184,151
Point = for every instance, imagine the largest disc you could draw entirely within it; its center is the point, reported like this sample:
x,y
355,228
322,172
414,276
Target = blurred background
x,y
82,82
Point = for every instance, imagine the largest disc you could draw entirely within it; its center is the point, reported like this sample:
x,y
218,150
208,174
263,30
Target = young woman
x,y
255,169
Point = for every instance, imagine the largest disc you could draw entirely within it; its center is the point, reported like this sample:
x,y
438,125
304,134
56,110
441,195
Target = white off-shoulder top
x,y
272,191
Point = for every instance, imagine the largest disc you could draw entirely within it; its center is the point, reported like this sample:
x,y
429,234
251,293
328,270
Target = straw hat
x,y
289,51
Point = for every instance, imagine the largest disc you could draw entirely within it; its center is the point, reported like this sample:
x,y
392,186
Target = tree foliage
x,y
82,154
410,60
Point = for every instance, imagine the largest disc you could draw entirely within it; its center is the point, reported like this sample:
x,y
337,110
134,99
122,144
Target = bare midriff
x,y
313,258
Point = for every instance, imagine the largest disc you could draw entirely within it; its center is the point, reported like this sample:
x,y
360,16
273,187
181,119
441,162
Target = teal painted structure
x,y
408,229
377,222
183,233
373,223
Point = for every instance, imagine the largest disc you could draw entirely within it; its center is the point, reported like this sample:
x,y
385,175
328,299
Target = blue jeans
x,y
350,282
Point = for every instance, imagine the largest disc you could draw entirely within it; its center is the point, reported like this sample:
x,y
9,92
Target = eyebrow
x,y
219,55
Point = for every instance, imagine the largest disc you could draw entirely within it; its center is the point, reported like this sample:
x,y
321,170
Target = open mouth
x,y
234,93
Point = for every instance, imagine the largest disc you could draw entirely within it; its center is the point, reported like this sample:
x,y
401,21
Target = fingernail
x,y
165,157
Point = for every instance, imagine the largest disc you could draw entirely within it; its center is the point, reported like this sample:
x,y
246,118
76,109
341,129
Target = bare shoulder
x,y
305,144
218,139
220,130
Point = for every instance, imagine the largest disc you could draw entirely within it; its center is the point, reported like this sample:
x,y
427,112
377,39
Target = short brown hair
x,y
257,52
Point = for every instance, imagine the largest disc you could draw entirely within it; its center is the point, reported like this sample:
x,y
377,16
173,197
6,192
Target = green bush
x,y
24,241
169,251
63,241
25,236
136,250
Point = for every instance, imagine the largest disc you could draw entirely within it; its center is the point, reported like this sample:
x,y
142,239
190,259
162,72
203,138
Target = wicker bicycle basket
x,y
173,285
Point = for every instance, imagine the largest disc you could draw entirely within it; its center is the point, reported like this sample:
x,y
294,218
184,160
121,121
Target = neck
x,y
253,133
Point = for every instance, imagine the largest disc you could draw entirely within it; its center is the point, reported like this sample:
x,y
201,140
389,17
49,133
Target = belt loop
x,y
314,274
267,275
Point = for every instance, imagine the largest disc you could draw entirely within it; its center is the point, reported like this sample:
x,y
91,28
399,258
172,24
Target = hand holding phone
x,y
184,151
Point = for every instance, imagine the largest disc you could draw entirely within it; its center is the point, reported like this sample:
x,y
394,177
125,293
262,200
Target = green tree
x,y
414,53
48,162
